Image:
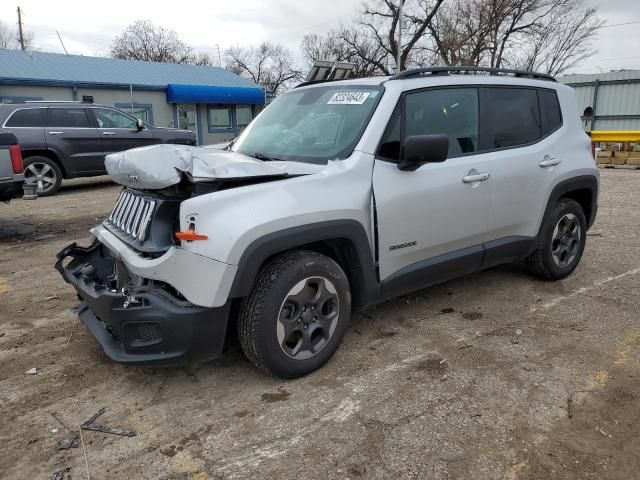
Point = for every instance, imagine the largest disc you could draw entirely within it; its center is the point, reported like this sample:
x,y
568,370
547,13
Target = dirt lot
x,y
496,375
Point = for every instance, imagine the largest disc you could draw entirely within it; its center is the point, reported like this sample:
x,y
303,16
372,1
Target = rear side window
x,y
550,110
28,117
511,117
68,117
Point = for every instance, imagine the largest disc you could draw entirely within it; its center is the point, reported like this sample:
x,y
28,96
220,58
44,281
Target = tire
x,y
561,242
44,172
281,326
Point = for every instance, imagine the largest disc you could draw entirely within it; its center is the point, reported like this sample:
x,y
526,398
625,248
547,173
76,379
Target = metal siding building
x,y
614,98
212,101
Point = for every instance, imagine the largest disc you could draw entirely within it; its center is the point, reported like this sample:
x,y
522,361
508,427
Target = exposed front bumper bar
x,y
146,325
183,270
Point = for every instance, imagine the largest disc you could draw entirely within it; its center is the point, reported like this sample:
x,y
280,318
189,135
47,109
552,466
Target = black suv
x,y
71,139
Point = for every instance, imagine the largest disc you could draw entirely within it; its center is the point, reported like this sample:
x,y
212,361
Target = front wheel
x,y
562,240
295,317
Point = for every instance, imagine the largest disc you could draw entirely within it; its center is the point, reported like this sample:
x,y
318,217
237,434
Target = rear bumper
x,y
148,324
10,190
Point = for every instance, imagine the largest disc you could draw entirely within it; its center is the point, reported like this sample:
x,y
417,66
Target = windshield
x,y
312,125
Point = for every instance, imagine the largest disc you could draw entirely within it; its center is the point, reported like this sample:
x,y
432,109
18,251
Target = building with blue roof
x,y
213,102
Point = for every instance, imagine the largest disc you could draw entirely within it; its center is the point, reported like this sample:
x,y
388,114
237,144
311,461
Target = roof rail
x,y
52,101
419,72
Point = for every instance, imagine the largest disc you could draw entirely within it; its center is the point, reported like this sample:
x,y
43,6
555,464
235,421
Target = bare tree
x,y
269,65
461,33
346,44
562,41
551,35
9,38
379,23
201,58
142,40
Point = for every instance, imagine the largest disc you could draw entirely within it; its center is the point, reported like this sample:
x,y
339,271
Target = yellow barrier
x,y
614,136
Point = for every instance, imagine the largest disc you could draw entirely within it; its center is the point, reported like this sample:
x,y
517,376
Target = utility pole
x,y
399,54
20,29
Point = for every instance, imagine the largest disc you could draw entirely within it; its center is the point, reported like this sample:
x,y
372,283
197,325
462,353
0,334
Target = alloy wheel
x,y
565,243
308,318
42,175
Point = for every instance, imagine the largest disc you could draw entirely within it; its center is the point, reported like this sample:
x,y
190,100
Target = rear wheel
x,y
44,173
561,243
296,315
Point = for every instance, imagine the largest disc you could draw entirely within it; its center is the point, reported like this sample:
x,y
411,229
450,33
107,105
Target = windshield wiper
x,y
265,158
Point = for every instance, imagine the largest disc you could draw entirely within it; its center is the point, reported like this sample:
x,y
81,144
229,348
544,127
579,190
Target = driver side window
x,y
107,118
449,111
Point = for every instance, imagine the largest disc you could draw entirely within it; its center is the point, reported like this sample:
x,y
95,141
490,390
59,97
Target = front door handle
x,y
549,162
56,133
108,133
476,177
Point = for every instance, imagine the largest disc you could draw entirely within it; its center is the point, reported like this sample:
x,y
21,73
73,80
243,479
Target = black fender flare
x,y
359,259
564,188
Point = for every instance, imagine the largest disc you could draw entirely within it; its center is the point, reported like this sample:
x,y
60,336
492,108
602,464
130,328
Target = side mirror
x,y
139,124
420,149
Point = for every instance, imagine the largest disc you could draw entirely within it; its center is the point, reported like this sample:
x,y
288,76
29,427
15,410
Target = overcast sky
x,y
205,25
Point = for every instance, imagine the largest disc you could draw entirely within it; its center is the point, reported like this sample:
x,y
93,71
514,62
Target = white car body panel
x,y
340,191
446,216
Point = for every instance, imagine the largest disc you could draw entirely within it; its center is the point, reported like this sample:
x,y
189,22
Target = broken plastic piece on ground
x,y
62,474
67,443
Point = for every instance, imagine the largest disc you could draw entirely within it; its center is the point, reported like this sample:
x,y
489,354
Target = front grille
x,y
132,215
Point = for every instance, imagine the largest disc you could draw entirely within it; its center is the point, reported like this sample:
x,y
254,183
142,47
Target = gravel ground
x,y
495,375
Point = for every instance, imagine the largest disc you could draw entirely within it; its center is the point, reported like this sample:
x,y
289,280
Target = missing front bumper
x,y
147,324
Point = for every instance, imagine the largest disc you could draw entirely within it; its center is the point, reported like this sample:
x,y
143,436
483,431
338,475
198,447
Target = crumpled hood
x,y
161,166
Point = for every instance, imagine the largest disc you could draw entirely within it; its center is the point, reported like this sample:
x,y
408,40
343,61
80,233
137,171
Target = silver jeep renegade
x,y
338,196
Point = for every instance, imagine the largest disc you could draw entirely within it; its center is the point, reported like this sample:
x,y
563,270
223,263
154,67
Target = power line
x,y
62,43
635,22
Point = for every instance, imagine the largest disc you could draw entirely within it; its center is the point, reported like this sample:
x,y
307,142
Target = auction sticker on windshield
x,y
348,98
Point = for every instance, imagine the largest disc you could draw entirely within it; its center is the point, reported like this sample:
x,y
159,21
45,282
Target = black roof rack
x,y
419,72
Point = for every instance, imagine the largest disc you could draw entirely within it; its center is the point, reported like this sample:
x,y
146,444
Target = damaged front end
x,y
159,167
138,320
144,296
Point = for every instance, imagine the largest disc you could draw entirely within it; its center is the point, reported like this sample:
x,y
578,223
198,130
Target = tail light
x,y
16,159
593,150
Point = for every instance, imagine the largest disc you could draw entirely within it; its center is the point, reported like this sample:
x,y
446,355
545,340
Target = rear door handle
x,y
108,133
56,133
476,177
550,162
